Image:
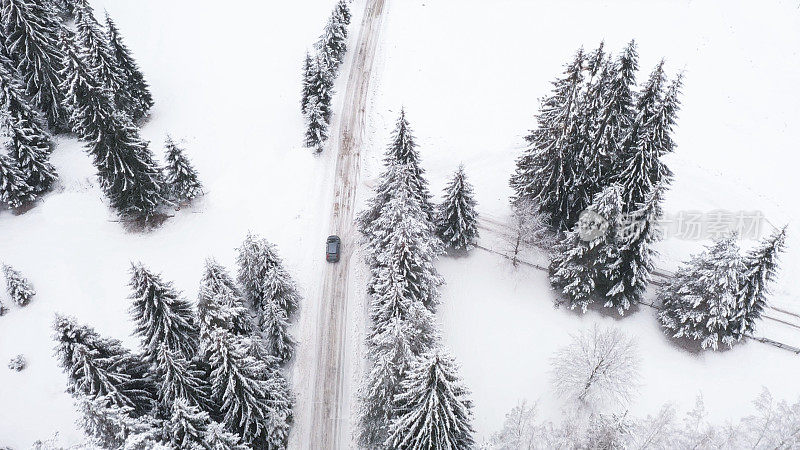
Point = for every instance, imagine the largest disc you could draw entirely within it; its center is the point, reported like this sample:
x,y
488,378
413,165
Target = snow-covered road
x,y
329,418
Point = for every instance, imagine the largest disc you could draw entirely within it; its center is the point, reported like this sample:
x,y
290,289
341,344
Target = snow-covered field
x,y
469,74
226,80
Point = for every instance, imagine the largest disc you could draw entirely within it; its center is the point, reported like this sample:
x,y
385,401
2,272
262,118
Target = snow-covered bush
x,y
17,363
598,369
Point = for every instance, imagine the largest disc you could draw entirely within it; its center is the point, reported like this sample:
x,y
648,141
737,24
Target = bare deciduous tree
x,y
599,368
530,227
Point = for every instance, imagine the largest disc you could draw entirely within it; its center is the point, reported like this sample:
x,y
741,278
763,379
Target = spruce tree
x,y
18,287
435,409
317,131
255,400
30,143
186,427
700,301
333,42
391,301
546,172
391,353
129,176
181,178
29,31
220,304
611,113
14,191
401,159
218,438
125,165
111,426
179,380
637,237
99,367
161,315
457,221
344,12
641,167
263,277
583,262
322,89
98,54
760,269
275,325
409,248
308,75
138,92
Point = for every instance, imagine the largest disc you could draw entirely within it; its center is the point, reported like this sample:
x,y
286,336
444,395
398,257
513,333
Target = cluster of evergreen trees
x,y
319,73
209,376
594,169
412,396
61,70
717,297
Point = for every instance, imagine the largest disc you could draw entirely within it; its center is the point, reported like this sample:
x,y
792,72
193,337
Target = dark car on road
x,y
332,248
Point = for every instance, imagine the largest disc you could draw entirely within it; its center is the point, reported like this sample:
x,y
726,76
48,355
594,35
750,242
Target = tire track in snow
x,y
331,341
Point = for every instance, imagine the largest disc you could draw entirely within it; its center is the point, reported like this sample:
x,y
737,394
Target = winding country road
x,y
331,335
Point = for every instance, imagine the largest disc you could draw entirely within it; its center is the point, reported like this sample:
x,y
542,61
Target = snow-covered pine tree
x,y
333,42
638,234
391,353
14,191
581,265
390,300
611,113
138,90
545,173
112,426
125,165
255,399
322,89
641,167
220,304
760,269
99,367
187,425
263,277
130,177
409,248
700,301
401,155
180,380
306,91
436,411
161,315
457,221
30,143
30,33
317,131
99,56
89,103
343,10
218,438
275,326
180,175
18,287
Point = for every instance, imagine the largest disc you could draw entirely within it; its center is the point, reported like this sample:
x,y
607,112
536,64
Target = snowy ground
x,y
469,74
